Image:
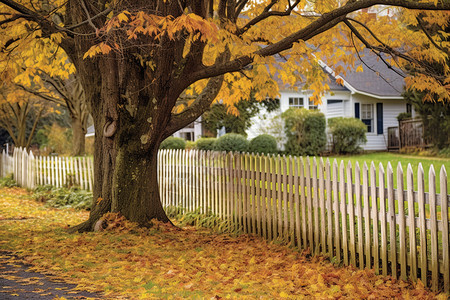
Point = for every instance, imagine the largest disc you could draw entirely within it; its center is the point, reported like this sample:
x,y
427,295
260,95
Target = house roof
x,y
377,79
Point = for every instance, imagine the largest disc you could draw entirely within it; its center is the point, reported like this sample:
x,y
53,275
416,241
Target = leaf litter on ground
x,y
124,261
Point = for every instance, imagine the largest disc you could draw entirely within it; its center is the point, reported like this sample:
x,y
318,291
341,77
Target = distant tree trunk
x,y
78,139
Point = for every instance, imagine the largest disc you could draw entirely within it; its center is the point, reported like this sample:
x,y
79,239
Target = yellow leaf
x,y
284,295
122,17
359,68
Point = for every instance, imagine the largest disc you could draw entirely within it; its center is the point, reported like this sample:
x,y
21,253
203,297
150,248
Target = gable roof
x,y
377,80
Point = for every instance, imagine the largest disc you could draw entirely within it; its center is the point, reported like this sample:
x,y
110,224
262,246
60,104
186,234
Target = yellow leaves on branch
x,y
155,27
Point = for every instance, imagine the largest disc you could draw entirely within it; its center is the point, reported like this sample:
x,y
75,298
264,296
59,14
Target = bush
x,y
403,116
305,131
205,144
348,134
263,143
173,143
231,142
8,181
63,197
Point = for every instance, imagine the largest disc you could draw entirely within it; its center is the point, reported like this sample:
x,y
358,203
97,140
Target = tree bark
x,y
78,138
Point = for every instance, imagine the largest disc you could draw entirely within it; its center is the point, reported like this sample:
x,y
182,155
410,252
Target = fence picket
x,y
365,192
433,229
285,200
391,219
445,231
337,233
297,204
323,224
329,208
373,195
263,195
292,194
382,197
401,223
351,214
422,225
258,193
309,204
303,202
315,207
411,223
343,212
359,215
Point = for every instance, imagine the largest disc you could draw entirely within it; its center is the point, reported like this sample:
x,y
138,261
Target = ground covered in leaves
x,y
163,262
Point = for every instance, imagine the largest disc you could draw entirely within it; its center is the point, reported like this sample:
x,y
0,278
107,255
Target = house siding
x,y
391,109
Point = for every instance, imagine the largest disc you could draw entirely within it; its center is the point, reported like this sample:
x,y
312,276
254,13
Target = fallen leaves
x,y
166,262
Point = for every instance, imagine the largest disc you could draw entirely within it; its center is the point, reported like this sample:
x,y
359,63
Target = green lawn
x,y
394,159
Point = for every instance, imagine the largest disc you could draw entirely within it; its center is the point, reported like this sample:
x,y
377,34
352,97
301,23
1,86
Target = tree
x,y
435,118
70,94
137,59
41,68
218,115
19,115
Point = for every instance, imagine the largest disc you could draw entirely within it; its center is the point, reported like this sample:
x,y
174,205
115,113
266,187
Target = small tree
x,y
305,131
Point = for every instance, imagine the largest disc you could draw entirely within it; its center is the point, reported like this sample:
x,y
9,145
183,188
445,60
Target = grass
x,y
404,160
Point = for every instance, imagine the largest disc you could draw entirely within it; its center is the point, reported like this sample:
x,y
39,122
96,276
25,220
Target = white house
x,y
374,96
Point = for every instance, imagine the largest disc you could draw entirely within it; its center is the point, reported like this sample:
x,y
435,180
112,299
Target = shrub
x,y
205,144
8,181
231,142
263,143
72,197
305,131
173,143
403,116
348,134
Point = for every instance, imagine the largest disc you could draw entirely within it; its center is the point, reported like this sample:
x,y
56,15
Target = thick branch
x,y
195,110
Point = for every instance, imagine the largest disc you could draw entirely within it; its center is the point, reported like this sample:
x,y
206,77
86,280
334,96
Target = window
x,y
312,105
367,116
188,136
295,102
408,108
333,101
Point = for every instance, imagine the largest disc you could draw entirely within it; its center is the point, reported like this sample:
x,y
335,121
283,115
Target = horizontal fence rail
x,y
332,209
354,214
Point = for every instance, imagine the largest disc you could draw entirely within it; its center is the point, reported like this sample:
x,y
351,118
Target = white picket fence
x,y
332,209
29,171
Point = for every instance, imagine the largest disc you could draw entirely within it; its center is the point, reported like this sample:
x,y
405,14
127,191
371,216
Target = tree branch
x,y
321,24
195,110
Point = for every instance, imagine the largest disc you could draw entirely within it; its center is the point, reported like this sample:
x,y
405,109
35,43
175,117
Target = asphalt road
x,y
17,283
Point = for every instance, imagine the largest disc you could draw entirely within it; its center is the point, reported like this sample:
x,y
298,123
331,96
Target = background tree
x,y
218,115
70,94
41,68
136,58
20,114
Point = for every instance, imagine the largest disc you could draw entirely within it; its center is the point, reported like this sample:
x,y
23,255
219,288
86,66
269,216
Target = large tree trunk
x,y
127,140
